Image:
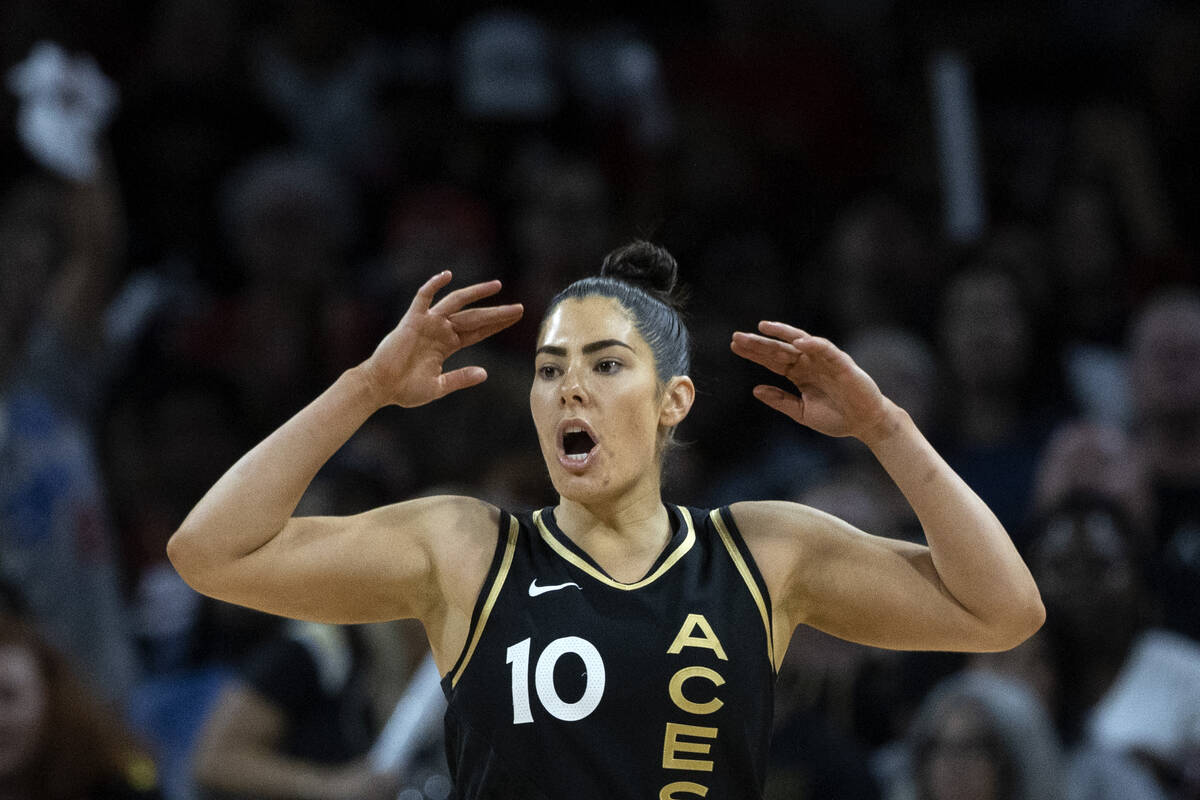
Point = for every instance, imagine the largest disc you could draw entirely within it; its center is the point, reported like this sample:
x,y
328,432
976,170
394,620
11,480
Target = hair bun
x,y
645,265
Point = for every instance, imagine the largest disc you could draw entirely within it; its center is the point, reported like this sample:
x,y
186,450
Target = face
x,y
22,708
962,763
985,330
1086,573
1165,359
597,404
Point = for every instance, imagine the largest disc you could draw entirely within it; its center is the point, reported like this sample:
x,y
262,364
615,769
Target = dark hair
x,y
84,743
641,276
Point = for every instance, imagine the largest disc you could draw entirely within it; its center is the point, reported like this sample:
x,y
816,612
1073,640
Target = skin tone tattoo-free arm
x,y
418,559
967,590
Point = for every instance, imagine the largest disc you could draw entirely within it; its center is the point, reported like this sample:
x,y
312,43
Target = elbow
x,y
187,559
1026,616
180,555
1035,615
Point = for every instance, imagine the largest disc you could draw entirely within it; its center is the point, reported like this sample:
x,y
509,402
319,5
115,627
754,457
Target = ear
x,y
677,399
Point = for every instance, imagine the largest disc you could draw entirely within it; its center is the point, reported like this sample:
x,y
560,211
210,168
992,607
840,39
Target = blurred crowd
x,y
210,208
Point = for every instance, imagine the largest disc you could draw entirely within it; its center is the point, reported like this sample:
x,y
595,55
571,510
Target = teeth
x,y
577,457
574,429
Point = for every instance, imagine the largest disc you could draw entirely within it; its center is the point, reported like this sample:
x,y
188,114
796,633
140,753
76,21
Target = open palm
x,y
406,367
835,396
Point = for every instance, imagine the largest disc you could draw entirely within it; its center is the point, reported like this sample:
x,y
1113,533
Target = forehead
x,y
576,322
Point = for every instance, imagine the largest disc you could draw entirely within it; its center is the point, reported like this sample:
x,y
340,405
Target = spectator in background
x,y
58,741
1142,737
561,217
741,273
1164,367
188,117
297,723
1088,457
166,431
318,66
1105,235
60,245
1091,294
980,737
168,708
881,268
905,366
820,673
290,222
1082,554
1116,674
429,229
990,348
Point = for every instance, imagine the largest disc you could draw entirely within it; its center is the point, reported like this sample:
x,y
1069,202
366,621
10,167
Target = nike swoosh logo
x,y
535,590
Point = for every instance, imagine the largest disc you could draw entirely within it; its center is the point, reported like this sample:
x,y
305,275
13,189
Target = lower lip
x,y
577,465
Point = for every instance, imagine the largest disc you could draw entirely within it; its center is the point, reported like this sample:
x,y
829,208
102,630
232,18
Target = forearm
x,y
975,559
254,499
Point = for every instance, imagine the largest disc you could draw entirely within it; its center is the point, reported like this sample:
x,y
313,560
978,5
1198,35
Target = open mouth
x,y
577,443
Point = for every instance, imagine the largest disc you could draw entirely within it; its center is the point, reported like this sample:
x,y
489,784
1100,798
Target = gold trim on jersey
x,y
510,548
573,558
744,569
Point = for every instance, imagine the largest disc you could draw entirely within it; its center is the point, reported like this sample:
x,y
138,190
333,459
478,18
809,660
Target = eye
x,y
547,371
608,366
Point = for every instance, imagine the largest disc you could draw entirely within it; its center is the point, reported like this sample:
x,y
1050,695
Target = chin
x,y
580,488
587,487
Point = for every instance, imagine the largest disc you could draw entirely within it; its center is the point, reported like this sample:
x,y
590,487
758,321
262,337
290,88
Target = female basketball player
x,y
612,646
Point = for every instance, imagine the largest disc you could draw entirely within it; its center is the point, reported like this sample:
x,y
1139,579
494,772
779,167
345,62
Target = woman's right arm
x,y
241,543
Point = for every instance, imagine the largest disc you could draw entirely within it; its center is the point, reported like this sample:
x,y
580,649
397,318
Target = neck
x,y
623,533
625,515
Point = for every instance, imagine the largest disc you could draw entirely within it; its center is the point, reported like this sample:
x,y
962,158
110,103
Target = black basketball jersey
x,y
574,686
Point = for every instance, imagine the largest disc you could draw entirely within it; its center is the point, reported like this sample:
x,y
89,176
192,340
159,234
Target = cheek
x,y
638,418
541,404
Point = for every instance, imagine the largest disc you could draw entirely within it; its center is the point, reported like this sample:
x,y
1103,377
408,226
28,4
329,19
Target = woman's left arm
x,y
968,590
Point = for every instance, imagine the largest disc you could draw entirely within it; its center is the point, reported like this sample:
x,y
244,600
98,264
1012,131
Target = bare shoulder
x,y
778,523
437,516
795,547
795,526
457,533
779,535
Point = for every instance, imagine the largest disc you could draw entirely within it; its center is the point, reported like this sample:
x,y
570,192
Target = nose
x,y
571,390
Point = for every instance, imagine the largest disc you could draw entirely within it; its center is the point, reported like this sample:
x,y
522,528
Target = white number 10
x,y
518,656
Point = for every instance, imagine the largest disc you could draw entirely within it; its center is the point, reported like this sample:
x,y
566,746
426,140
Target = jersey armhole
x,y
735,544
493,582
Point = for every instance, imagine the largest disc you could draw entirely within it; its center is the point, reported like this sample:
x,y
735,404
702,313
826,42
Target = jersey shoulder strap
x,y
506,546
735,545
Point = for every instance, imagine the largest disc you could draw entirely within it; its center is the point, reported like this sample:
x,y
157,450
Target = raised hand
x,y
406,367
835,396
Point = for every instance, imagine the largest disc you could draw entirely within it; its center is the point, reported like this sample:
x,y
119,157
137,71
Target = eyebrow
x,y
590,347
